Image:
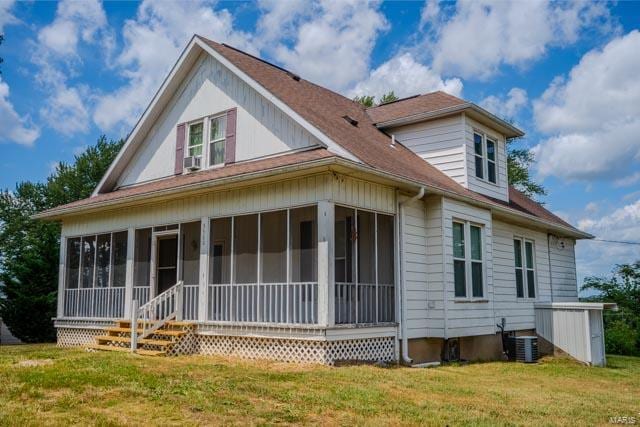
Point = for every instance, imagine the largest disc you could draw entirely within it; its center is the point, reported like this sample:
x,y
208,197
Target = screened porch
x,y
258,268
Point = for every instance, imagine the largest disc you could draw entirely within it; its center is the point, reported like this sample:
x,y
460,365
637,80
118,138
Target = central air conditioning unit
x,y
523,349
192,163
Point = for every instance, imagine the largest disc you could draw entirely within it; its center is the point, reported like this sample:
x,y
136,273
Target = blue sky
x,y
566,73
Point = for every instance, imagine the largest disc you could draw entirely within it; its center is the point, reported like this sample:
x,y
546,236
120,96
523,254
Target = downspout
x,y
403,294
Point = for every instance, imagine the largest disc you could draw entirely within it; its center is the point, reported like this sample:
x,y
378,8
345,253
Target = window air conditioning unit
x,y
192,163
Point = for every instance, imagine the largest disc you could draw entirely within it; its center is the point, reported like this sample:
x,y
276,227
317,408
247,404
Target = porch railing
x,y
293,303
364,303
94,302
155,313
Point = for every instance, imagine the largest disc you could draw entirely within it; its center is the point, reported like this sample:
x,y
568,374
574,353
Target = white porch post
x,y
61,273
326,278
128,282
204,269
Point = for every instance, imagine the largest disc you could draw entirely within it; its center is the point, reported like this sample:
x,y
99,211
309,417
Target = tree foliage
x,y
622,327
368,101
519,162
29,249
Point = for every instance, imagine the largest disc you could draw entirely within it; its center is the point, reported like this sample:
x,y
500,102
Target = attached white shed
x,y
574,327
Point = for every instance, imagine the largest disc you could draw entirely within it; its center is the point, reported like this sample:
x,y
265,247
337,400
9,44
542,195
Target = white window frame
x,y
188,147
485,156
211,142
469,261
525,268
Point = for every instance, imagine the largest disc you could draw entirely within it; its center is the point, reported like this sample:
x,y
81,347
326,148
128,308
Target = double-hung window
x,y
523,251
217,132
195,139
484,150
468,266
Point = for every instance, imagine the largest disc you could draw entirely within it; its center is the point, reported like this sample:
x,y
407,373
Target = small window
x,y
484,151
523,251
195,139
468,268
217,132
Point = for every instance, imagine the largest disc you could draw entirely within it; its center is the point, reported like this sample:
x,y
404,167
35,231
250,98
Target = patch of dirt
x,y
34,362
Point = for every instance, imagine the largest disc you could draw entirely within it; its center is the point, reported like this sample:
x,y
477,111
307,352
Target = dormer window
x,y
195,139
485,157
217,132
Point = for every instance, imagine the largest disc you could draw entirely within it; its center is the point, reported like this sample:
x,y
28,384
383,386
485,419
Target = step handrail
x,y
156,312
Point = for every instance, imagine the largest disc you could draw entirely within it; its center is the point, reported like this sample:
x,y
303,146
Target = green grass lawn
x,y
45,385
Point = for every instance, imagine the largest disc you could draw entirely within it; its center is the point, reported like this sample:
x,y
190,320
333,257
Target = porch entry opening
x,y
167,263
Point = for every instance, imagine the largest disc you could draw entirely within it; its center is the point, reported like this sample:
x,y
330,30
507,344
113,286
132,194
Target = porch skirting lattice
x,y
256,347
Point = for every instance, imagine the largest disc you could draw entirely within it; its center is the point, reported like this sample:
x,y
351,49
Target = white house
x,y
254,213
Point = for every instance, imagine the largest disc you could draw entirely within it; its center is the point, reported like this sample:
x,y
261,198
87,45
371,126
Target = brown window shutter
x,y
180,137
230,137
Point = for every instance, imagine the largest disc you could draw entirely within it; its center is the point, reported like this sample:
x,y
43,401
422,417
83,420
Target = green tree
x,y
388,97
519,162
29,249
370,100
622,327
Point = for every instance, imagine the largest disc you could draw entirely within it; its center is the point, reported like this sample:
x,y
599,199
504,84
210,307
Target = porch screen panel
x,y
273,242
366,290
190,253
303,243
220,259
245,269
73,263
386,276
103,260
88,260
119,259
345,233
142,256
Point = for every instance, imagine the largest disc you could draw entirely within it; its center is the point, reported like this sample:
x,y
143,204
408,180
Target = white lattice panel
x,y
299,351
73,337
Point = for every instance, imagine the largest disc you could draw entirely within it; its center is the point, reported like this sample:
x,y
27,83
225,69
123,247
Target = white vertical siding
x,y
518,312
439,142
468,317
277,195
500,190
564,283
435,268
210,88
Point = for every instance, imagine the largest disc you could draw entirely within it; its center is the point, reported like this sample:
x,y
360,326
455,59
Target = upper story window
x,y
468,265
217,132
195,139
523,250
485,157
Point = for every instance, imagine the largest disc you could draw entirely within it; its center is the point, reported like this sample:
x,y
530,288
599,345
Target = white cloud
x,y
279,19
627,180
65,110
152,43
405,76
598,258
593,116
430,11
483,35
506,107
591,208
6,17
14,127
332,42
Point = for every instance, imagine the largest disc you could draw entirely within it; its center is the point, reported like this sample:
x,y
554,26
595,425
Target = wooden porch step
x,y
169,333
181,323
141,352
142,341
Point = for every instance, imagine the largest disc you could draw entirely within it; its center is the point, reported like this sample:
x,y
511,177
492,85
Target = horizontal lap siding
x,y
467,318
440,142
563,271
518,312
499,190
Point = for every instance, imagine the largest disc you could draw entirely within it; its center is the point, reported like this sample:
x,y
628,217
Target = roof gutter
x,y
511,131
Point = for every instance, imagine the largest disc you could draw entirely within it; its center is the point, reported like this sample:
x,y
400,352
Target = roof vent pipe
x,y
403,288
393,140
